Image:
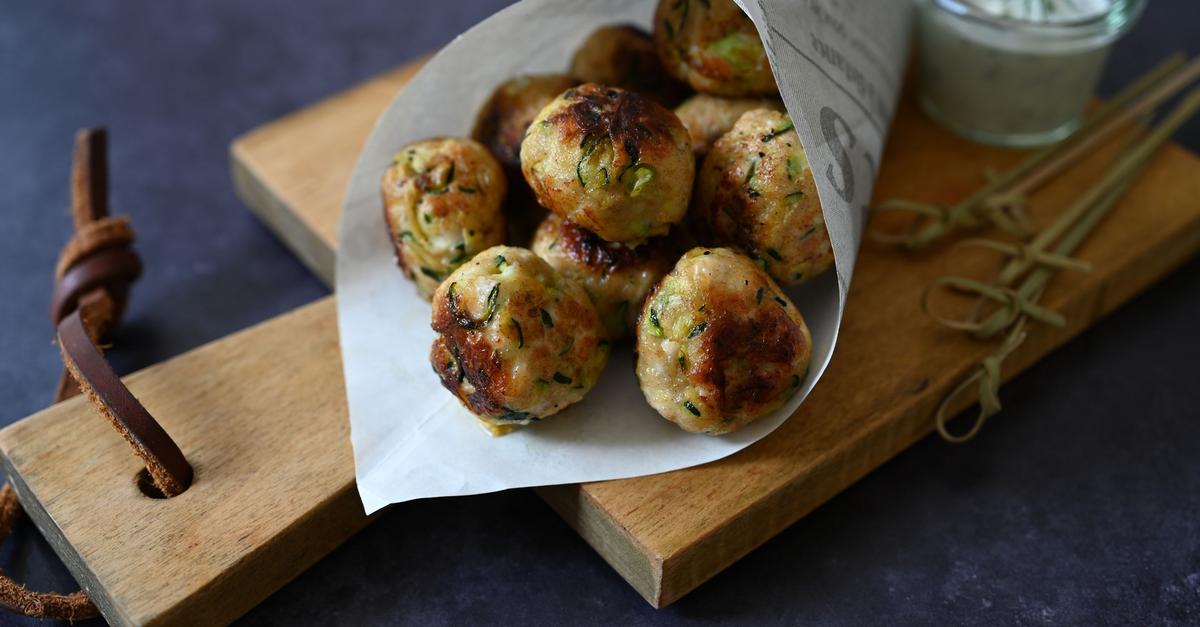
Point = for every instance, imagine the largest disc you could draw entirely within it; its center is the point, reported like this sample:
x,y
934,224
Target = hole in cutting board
x,y
146,485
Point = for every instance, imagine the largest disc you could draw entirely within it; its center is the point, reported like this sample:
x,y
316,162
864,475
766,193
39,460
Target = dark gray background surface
x,y
1080,504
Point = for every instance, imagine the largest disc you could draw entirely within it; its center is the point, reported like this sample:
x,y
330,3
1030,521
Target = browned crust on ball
x,y
731,198
637,126
611,133
461,354
590,250
768,337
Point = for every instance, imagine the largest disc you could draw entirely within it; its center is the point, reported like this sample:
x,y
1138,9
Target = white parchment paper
x,y
838,64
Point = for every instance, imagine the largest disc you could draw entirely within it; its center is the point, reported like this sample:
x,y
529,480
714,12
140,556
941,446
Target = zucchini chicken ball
x,y
516,341
713,46
441,202
501,126
718,343
615,276
707,118
756,192
624,56
610,160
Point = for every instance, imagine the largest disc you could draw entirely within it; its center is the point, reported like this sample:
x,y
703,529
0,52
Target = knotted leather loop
x,y
91,288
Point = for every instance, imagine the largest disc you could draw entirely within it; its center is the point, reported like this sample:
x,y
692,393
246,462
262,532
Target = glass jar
x,y
1016,72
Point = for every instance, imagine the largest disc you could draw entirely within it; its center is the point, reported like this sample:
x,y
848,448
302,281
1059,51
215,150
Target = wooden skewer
x,y
964,211
1077,222
1143,97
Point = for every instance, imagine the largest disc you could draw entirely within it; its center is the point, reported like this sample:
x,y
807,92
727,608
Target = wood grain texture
x,y
262,413
304,160
274,486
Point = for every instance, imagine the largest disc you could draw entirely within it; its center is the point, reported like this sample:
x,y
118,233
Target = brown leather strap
x,y
103,232
93,276
89,177
110,269
74,606
168,469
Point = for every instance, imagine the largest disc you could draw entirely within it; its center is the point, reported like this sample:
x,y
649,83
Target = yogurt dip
x,y
1015,72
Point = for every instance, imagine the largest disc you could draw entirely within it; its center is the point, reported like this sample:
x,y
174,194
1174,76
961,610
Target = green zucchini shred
x,y
655,327
465,320
754,193
779,131
589,146
641,177
685,4
493,296
753,169
520,333
512,415
793,167
738,49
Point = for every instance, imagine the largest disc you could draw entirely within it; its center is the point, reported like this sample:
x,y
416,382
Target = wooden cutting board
x,y
262,413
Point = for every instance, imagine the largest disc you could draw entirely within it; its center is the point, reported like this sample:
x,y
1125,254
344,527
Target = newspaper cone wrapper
x,y
838,65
